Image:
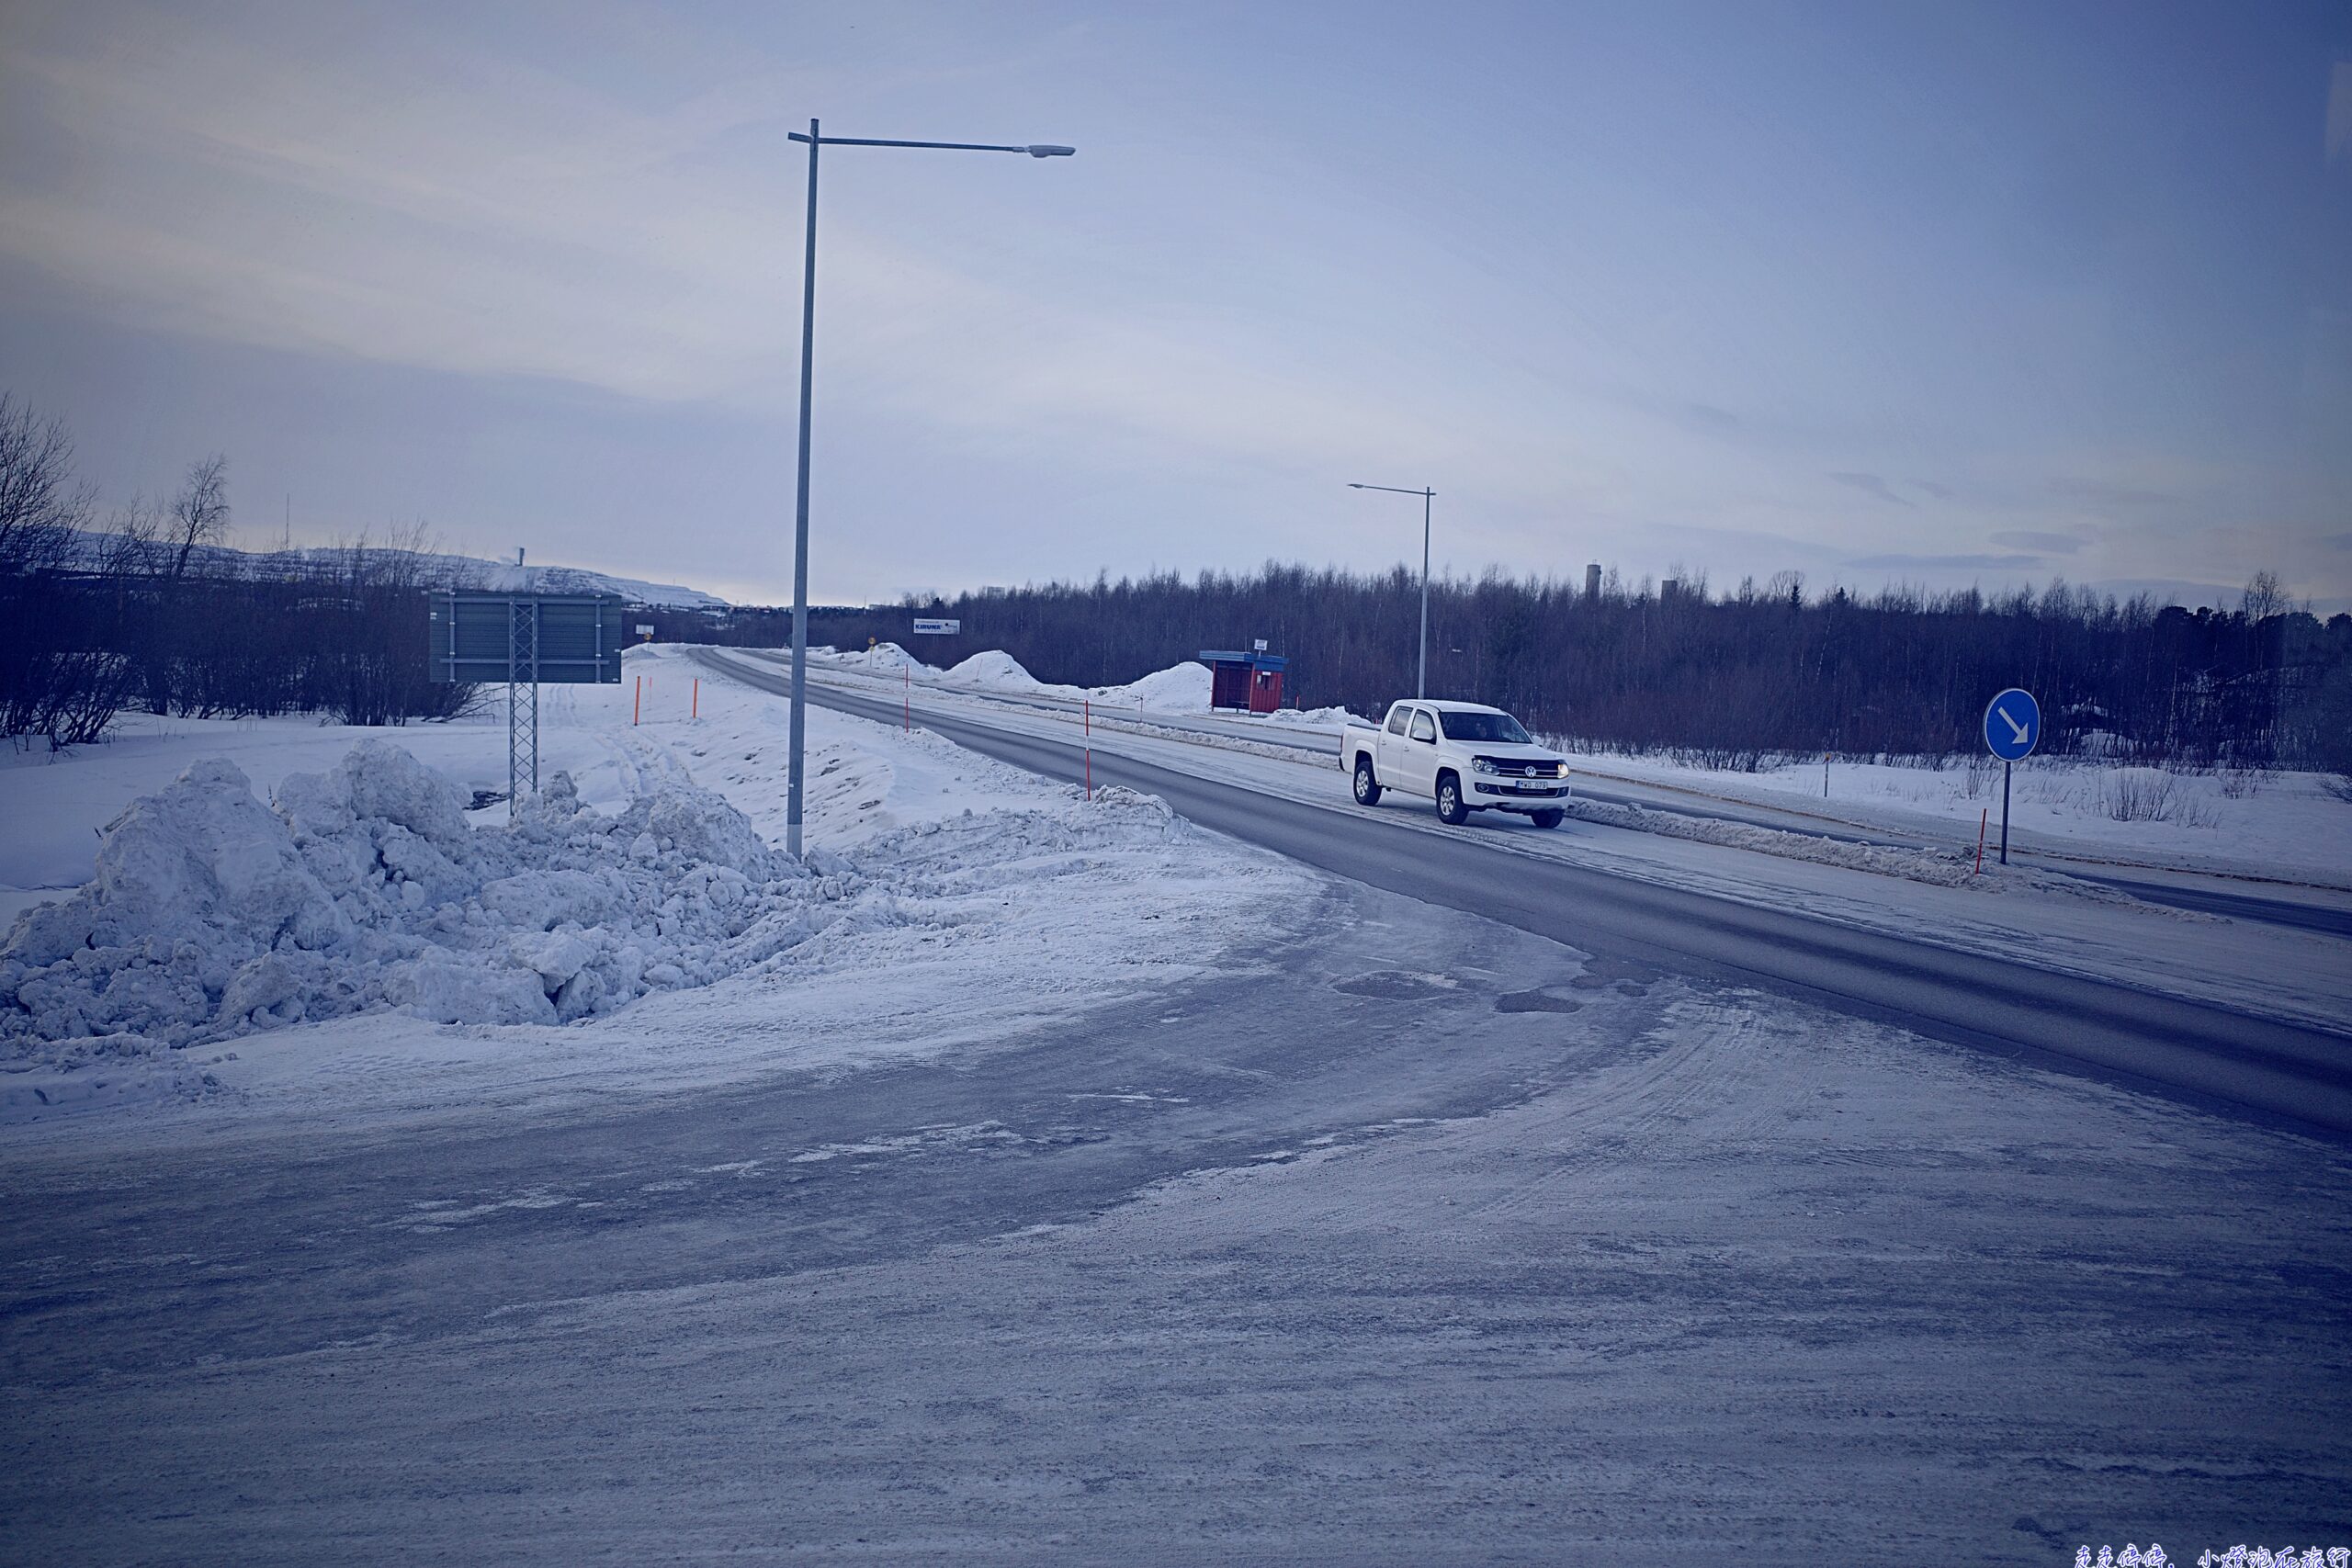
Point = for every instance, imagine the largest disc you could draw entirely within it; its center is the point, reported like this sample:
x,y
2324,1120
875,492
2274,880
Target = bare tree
x,y
200,514
2264,597
130,544
40,505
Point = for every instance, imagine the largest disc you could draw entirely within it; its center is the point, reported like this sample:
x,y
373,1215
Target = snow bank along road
x,y
2273,1066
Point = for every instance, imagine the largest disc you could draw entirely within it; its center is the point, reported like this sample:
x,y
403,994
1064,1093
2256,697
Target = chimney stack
x,y
1592,583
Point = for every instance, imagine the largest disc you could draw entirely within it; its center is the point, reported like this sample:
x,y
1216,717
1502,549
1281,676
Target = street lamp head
x,y
1040,150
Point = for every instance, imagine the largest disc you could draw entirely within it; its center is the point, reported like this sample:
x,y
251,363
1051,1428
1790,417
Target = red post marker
x,y
1981,817
637,700
695,711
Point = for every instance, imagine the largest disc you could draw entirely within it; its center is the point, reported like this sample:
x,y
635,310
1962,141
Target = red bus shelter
x,y
1247,682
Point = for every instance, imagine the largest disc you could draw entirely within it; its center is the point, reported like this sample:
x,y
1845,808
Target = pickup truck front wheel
x,y
1450,809
1367,786
1550,816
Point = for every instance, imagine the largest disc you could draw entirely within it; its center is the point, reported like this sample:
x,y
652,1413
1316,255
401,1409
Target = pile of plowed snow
x,y
366,888
883,658
993,670
1180,688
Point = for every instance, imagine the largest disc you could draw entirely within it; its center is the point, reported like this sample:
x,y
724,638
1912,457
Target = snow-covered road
x,y
1410,1238
1150,1199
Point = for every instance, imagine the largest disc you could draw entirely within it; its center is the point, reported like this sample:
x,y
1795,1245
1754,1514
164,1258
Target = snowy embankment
x,y
1937,868
360,940
2283,826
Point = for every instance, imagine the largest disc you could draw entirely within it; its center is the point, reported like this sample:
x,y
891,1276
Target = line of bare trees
x,y
141,611
1732,677
138,611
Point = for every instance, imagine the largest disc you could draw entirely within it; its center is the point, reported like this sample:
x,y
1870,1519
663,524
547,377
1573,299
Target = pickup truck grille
x,y
1514,767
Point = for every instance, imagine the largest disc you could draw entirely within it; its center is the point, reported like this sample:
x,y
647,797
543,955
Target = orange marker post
x,y
1981,817
695,711
636,701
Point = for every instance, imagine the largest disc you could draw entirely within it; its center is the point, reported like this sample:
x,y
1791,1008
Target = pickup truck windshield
x,y
1485,727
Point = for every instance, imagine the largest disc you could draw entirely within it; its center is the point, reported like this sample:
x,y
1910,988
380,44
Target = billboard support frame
x,y
524,638
522,674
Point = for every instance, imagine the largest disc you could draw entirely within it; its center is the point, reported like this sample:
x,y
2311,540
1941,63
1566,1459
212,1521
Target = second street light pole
x,y
800,518
1422,687
807,371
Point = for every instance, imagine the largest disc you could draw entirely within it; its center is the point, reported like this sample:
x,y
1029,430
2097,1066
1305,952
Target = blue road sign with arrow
x,y
2012,724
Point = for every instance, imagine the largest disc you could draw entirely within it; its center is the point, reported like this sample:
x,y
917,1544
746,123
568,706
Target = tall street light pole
x,y
807,371
1422,687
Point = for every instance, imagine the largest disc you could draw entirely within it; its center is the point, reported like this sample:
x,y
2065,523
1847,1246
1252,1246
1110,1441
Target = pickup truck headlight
x,y
1564,770
1481,765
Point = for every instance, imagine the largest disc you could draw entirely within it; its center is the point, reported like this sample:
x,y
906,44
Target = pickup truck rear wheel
x,y
1450,809
1550,816
1367,787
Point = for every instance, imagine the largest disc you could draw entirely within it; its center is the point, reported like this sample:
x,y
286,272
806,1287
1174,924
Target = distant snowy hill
x,y
510,578
498,576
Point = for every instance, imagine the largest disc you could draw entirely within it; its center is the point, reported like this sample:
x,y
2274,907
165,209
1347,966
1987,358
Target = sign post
x,y
2012,729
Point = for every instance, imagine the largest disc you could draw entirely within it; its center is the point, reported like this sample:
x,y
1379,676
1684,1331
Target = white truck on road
x,y
1464,756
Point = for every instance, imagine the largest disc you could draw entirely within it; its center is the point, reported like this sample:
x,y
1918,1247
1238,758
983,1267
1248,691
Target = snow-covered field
x,y
301,919
2282,826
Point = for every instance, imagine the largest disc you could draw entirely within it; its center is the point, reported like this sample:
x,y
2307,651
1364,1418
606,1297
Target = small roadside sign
x,y
2012,724
938,628
2012,729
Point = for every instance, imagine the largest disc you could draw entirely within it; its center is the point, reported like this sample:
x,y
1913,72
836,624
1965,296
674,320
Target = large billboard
x,y
551,638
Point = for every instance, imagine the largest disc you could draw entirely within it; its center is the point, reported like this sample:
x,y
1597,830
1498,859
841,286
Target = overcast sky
x,y
1950,294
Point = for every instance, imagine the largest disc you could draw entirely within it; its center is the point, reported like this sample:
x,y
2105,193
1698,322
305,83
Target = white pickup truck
x,y
1464,756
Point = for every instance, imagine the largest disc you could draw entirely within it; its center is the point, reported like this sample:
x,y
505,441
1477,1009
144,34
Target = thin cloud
x,y
2041,543
2107,492
1946,563
1873,484
1707,417
2339,111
